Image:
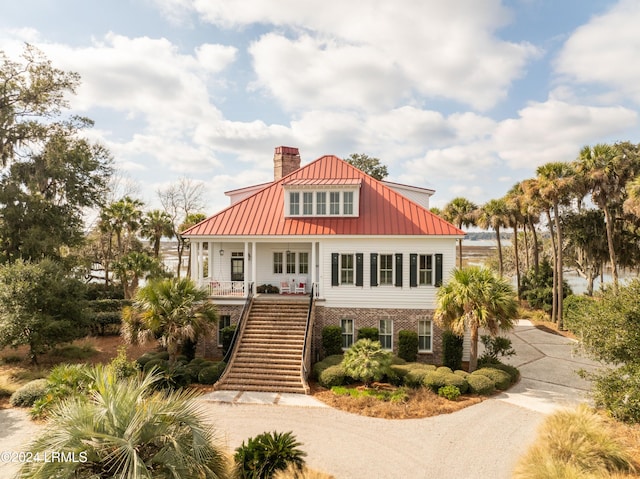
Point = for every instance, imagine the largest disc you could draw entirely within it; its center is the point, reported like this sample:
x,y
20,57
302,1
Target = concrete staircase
x,y
269,354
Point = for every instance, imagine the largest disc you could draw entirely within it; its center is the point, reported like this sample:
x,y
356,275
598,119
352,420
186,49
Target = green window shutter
x,y
335,257
438,270
413,270
398,269
374,269
359,269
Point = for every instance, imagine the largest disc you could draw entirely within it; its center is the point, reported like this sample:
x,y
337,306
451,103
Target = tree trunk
x,y
560,267
156,246
612,252
536,247
500,265
554,288
473,349
517,258
527,264
460,253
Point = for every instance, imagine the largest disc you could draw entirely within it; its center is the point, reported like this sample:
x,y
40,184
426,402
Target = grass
x,y
391,395
418,403
581,443
73,352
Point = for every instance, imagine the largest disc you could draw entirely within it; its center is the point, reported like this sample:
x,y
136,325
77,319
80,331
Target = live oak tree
x,y
371,166
50,173
40,306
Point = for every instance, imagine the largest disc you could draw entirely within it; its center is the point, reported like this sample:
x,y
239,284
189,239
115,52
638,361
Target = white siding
x,y
386,296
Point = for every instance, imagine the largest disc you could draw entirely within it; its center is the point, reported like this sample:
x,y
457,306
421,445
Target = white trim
x,y
389,334
430,336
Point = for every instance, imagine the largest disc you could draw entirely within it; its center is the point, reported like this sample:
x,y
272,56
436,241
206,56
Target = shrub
x,y
325,363
145,358
65,380
512,371
173,376
416,373
210,374
268,453
576,443
434,380
479,384
408,345
444,369
227,337
501,379
72,352
332,340
452,347
450,392
29,393
373,334
573,310
122,367
618,390
157,363
495,346
366,361
11,359
332,376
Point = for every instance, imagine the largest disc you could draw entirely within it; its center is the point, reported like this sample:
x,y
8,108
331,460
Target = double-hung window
x,y
347,203
223,322
294,203
321,203
425,270
334,203
346,269
386,269
347,333
424,335
291,262
303,263
277,263
385,333
307,203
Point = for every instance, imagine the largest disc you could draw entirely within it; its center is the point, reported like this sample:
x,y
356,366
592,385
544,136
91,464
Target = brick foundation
x,y
370,317
208,348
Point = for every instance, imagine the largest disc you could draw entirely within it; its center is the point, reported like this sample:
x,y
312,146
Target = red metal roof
x,y
382,210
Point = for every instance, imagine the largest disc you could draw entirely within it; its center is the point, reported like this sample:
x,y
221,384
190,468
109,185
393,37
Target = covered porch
x,y
233,269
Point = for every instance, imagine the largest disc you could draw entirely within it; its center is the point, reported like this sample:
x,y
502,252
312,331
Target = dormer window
x,y
332,197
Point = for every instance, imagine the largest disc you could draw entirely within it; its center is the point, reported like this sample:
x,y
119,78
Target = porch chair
x,y
301,286
285,287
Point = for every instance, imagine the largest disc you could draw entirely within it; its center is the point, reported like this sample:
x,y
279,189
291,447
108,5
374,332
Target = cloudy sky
x,y
465,96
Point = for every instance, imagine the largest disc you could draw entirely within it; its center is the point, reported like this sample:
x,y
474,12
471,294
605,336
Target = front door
x,y
237,269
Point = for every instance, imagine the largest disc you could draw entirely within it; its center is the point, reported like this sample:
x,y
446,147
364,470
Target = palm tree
x,y
555,182
632,203
122,217
606,169
461,212
514,203
133,266
533,206
125,429
155,225
173,310
493,214
472,299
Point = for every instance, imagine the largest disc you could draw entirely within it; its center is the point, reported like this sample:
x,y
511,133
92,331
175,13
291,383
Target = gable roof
x,y
383,211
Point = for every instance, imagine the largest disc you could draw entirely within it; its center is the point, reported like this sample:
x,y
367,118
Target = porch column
x,y
254,265
200,261
313,264
210,261
194,260
320,269
246,268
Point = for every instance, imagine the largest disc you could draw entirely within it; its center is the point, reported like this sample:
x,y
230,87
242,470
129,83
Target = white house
x,y
371,251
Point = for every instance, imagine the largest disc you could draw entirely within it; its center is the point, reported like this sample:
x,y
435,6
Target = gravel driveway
x,y
481,441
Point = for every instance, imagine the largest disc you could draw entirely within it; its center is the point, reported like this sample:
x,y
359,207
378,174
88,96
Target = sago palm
x,y
125,430
474,298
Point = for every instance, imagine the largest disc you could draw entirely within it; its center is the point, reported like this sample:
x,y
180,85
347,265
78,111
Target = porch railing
x,y
227,288
306,348
315,290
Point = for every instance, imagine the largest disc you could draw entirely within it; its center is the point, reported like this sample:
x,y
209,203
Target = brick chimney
x,y
286,160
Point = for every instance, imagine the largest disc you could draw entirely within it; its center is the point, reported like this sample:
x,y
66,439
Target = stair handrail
x,y
306,351
239,326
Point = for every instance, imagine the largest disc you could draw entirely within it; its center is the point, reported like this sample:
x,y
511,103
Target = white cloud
x,y
555,131
605,51
373,55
